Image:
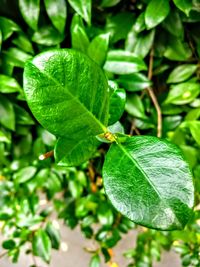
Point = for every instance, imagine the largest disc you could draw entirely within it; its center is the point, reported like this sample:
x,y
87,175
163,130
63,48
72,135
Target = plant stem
x,y
153,97
46,155
3,254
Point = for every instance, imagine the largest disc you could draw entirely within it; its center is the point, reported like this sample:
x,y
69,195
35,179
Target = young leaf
x,y
75,100
30,10
9,85
57,12
42,245
181,73
147,180
70,152
123,62
156,12
83,8
98,48
79,38
7,117
184,5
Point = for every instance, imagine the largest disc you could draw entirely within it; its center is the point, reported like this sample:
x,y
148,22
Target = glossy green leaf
x,y
184,5
123,62
70,152
42,245
83,8
95,261
7,115
9,85
4,137
22,117
156,12
30,10
98,48
183,93
117,102
75,101
22,42
109,3
134,82
24,174
57,12
7,27
195,130
139,179
181,73
173,24
135,107
54,235
47,36
80,40
139,24
105,215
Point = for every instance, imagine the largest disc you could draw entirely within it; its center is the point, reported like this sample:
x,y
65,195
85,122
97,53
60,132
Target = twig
x,y
3,254
134,129
46,155
153,97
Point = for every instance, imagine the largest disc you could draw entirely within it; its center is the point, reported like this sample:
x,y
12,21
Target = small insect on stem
x,y
110,137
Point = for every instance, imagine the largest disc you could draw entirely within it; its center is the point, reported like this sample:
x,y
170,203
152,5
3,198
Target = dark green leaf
x,y
109,3
7,27
42,245
123,62
156,12
30,10
105,214
22,116
83,8
139,180
54,235
181,73
23,43
134,82
98,48
47,36
7,115
184,5
174,24
75,102
9,244
57,12
9,85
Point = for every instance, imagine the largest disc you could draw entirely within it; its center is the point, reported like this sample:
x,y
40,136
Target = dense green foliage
x,y
133,70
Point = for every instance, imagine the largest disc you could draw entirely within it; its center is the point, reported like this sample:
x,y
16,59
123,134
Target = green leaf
x,y
22,116
7,27
109,3
70,152
47,36
139,24
42,245
184,5
4,137
79,37
195,130
156,12
23,43
83,8
54,235
123,62
135,107
117,102
139,179
98,48
105,214
95,261
181,73
75,101
9,85
173,24
24,174
183,93
9,244
30,10
57,12
7,115
134,82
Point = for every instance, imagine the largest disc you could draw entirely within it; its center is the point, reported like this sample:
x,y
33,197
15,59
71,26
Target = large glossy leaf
x,y
57,11
67,93
83,8
123,62
42,245
148,181
70,152
156,12
30,10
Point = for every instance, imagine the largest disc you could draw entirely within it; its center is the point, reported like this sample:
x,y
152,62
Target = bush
x,y
83,136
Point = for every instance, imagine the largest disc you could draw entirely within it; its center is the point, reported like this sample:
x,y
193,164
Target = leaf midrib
x,y
103,127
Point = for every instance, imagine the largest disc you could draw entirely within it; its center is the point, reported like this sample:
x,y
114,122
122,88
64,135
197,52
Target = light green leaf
x,y
134,82
75,101
95,261
83,8
42,245
47,36
57,12
5,138
22,42
30,10
183,93
139,24
24,174
156,12
7,115
195,130
80,40
7,27
98,48
9,85
135,107
70,152
139,179
184,5
123,62
181,73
